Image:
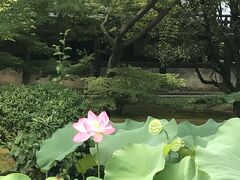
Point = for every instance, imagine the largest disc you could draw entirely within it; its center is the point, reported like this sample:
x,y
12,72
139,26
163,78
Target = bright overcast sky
x,y
225,8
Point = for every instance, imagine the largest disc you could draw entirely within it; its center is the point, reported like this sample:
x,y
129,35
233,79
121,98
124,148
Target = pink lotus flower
x,y
93,126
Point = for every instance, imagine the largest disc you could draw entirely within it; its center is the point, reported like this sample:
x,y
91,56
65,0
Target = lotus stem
x,y
166,135
98,160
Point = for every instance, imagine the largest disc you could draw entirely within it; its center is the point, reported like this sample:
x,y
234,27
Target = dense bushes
x,y
8,60
127,85
31,114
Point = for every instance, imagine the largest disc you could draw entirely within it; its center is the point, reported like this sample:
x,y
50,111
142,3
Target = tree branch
x,y
161,14
202,79
137,17
212,82
105,32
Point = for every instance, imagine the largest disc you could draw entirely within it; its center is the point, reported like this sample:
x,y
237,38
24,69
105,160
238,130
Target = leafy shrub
x,y
31,114
83,68
64,67
40,50
41,67
128,85
209,100
8,60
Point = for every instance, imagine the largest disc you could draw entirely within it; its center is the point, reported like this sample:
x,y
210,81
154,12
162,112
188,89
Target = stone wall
x,y
9,76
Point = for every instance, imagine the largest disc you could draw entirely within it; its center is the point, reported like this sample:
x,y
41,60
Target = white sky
x,y
225,9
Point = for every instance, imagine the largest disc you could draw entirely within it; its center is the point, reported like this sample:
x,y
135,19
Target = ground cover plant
x,y
30,114
155,149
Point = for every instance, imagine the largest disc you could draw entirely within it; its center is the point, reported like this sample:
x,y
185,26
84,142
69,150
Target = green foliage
x,y
128,85
16,18
60,145
41,68
83,68
9,61
130,132
62,57
184,170
85,163
209,100
64,68
131,163
123,157
220,159
15,176
39,109
40,50
234,97
175,169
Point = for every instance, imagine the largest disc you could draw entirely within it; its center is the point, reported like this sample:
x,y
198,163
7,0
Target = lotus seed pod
x,y
177,144
155,127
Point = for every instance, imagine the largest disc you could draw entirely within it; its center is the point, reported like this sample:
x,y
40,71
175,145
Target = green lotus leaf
x,y
194,135
85,163
209,128
57,147
15,176
54,178
184,170
221,157
93,178
137,134
135,161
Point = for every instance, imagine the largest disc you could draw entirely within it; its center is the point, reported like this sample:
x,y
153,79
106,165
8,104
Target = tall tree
x,y
127,33
205,34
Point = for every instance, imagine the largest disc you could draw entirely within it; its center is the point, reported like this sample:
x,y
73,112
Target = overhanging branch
x,y
105,32
162,12
137,17
211,82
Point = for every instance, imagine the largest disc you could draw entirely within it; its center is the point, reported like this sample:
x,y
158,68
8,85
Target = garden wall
x,y
9,76
192,80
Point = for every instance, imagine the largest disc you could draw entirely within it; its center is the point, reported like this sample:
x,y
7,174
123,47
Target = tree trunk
x,y
117,54
26,58
97,57
237,67
236,104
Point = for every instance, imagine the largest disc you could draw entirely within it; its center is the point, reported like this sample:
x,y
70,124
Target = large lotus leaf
x,y
54,178
135,161
221,157
15,176
57,147
85,163
209,128
194,135
184,170
137,135
129,124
